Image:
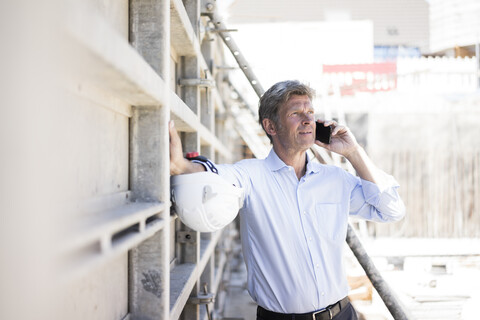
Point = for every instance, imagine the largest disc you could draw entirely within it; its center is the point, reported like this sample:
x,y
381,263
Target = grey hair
x,y
275,97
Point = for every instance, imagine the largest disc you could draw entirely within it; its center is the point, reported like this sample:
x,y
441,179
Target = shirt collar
x,y
311,166
275,163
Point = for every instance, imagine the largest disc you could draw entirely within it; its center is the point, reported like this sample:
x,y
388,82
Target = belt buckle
x,y
320,311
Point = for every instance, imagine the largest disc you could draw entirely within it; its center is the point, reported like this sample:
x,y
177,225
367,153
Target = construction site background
x,y
88,87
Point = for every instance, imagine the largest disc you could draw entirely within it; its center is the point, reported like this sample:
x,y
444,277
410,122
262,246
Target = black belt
x,y
324,314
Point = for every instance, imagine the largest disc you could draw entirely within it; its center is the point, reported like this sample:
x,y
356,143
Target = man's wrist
x,y
178,167
195,167
355,153
185,166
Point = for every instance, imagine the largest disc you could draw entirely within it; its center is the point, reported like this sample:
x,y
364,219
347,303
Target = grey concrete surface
x,y
239,304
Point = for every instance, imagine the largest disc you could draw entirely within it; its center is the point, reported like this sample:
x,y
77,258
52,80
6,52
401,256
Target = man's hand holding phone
x,y
336,138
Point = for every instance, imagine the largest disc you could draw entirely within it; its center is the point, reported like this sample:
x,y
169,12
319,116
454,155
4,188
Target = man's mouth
x,y
306,132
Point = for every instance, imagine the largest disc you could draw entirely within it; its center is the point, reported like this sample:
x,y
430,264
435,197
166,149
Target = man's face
x,y
296,127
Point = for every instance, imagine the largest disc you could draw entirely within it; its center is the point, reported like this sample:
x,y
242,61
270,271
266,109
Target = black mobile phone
x,y
323,133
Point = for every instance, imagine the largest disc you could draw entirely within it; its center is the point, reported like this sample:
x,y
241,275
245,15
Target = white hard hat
x,y
204,201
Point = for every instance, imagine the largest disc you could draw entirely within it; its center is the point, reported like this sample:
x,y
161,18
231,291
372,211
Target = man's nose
x,y
307,118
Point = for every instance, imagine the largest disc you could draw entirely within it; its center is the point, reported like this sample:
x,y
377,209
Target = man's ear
x,y
269,127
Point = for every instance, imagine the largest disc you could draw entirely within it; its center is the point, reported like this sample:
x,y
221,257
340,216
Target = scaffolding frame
x,y
163,71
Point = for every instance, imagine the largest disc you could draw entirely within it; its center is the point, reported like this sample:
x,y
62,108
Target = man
x,y
295,214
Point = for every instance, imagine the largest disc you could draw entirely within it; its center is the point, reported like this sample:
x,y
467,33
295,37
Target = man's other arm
x,y
178,164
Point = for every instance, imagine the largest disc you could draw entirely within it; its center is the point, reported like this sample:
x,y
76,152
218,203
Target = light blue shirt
x,y
293,231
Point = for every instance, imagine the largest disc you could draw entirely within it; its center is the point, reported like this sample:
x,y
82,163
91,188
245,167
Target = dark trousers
x,y
348,313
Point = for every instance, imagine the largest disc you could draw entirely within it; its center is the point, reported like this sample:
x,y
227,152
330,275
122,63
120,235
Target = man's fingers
x,y
176,153
328,123
339,129
175,142
174,137
171,128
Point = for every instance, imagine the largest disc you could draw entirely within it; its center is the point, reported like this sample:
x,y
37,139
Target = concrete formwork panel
x,y
100,294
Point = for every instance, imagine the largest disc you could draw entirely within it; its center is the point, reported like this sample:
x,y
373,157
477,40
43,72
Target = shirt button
x,y
323,293
304,212
310,238
317,265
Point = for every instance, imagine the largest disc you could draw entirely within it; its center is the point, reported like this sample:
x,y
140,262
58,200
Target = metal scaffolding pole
x,y
391,302
208,9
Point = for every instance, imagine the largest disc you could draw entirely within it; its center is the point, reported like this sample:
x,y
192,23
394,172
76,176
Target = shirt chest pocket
x,y
331,221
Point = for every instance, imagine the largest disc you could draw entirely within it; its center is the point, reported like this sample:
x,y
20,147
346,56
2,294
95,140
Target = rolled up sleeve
x,y
377,203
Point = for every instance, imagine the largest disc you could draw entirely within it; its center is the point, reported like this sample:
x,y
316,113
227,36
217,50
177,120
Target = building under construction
x,y
89,89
